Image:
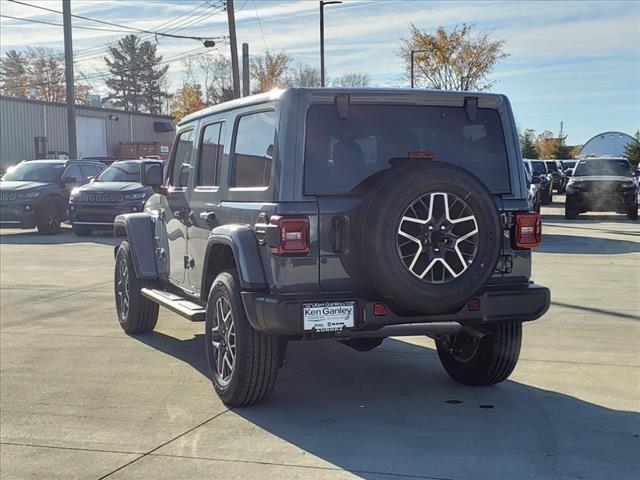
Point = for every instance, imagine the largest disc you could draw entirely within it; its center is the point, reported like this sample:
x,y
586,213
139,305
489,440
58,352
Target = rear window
x,y
253,149
552,167
539,168
617,167
341,153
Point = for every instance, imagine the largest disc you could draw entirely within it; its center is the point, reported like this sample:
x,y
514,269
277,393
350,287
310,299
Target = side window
x,y
210,155
254,149
181,167
73,171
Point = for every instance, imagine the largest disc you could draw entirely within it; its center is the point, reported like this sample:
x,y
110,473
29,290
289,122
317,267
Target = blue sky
x,y
576,62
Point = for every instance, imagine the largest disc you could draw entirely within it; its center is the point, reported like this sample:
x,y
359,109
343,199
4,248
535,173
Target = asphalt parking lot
x,y
80,399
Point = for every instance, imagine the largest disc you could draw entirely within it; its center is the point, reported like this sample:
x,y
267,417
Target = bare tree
x,y
457,60
304,75
213,73
270,70
353,80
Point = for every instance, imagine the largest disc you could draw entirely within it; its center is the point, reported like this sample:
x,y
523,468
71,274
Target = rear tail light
x,y
294,235
527,230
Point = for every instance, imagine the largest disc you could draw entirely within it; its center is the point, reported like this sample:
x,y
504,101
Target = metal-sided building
x,y
27,125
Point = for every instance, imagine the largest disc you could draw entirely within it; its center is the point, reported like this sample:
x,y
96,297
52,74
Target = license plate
x,y
328,316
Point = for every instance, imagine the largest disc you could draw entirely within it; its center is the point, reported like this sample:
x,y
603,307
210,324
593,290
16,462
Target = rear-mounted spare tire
x,y
430,237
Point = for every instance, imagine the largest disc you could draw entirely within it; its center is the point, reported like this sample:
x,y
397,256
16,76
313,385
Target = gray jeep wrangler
x,y
336,213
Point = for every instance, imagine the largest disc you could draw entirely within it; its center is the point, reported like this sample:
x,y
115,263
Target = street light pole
x,y
322,4
413,52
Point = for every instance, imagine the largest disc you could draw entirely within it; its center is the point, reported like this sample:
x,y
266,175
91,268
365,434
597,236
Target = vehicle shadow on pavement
x,y
31,237
190,351
556,243
395,411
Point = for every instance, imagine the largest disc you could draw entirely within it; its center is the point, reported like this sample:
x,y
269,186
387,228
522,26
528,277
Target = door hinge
x,y
506,219
161,254
189,262
505,264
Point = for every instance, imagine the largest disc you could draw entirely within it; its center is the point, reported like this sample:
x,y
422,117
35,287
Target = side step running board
x,y
175,303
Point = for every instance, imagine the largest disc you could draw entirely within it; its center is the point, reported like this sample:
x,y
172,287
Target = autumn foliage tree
x,y
271,70
186,101
37,73
460,59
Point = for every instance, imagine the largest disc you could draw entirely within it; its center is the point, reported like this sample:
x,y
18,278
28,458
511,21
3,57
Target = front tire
x,y
487,360
136,313
48,219
243,362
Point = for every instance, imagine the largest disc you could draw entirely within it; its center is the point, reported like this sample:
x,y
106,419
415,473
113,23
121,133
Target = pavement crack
x,y
311,467
186,432
59,447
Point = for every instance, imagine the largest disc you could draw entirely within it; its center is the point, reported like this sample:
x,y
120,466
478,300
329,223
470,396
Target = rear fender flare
x,y
241,239
139,229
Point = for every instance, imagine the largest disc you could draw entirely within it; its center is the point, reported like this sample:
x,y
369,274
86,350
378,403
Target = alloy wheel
x,y
122,289
223,341
437,237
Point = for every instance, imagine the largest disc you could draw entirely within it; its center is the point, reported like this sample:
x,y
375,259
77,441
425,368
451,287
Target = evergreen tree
x,y
527,144
632,149
152,75
560,150
135,75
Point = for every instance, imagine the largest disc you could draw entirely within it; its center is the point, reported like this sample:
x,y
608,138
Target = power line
x,y
170,35
60,25
172,26
264,40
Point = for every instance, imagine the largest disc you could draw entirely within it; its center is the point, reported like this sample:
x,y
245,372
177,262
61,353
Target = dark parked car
x,y
35,193
351,214
600,185
116,190
558,178
533,197
538,169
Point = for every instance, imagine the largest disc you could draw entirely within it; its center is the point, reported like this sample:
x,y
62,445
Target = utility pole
x,y
245,69
561,131
234,49
322,4
68,69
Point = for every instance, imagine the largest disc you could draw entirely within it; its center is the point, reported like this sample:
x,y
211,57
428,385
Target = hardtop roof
x,y
277,94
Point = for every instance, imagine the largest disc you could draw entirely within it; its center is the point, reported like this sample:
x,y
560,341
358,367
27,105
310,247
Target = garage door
x,y
92,137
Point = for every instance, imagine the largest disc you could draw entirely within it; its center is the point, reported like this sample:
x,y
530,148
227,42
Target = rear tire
x,y
243,362
81,230
633,213
136,313
48,219
485,361
570,212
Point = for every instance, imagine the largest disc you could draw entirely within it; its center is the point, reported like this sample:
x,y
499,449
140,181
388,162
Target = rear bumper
x,y
282,314
16,216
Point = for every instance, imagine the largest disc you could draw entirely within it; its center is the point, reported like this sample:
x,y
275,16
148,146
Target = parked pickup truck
x,y
350,214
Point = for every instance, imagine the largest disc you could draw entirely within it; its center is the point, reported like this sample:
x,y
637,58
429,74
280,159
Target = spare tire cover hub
x,y
437,237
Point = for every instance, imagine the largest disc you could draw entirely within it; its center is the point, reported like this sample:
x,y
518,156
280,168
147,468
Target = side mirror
x,y
91,179
569,172
69,180
536,179
151,174
636,173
